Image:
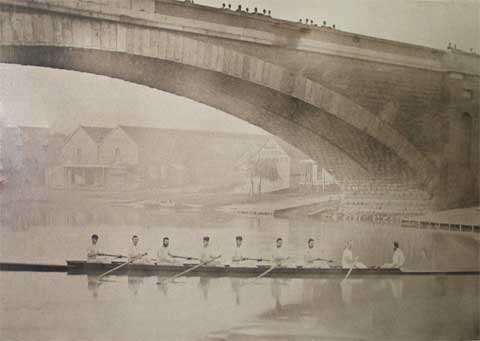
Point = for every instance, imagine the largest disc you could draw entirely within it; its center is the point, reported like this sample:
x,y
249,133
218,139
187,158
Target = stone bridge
x,y
365,108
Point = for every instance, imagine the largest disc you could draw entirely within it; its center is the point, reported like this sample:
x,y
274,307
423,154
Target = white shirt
x,y
311,260
309,257
279,255
206,255
134,252
92,252
238,254
163,255
347,259
398,258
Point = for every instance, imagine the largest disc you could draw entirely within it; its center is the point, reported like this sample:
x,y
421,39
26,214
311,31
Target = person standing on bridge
x,y
398,258
348,261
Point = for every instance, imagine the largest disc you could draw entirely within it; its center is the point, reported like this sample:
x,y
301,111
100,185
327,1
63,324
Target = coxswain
x,y
163,254
348,261
279,257
206,254
398,258
311,257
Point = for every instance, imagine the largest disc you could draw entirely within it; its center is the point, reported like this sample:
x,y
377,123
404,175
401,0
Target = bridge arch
x,y
297,109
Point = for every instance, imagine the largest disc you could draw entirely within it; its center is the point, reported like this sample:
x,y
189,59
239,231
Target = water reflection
x,y
236,284
378,308
204,286
93,285
370,308
69,228
134,283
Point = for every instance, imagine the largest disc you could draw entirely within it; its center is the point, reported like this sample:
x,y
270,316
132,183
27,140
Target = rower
x,y
206,254
348,261
93,252
311,257
279,257
238,255
135,252
163,255
398,258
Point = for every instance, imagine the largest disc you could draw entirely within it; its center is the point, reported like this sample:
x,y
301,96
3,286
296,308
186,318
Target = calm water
x,y
57,306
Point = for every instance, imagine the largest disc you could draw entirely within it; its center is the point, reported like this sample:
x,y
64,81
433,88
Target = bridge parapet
x,y
217,23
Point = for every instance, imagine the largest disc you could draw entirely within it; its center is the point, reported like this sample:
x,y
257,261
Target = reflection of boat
x,y
169,204
83,267
159,204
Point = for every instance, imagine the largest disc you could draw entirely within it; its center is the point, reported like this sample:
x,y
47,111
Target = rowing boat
x,y
82,267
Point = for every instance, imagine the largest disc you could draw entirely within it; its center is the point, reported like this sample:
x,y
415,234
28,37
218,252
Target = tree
x,y
262,168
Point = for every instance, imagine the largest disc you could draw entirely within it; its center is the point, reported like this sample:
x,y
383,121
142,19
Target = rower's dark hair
x,y
94,236
310,240
238,238
396,244
166,238
134,236
279,239
206,238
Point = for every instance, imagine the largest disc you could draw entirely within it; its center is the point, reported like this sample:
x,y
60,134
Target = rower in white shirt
x,y
206,254
348,261
398,258
93,251
279,256
135,253
238,253
311,258
239,258
163,255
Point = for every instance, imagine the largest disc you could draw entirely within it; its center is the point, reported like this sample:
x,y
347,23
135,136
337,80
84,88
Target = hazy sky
x,y
63,99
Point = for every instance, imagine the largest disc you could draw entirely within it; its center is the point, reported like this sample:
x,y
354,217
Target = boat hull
x,y
82,267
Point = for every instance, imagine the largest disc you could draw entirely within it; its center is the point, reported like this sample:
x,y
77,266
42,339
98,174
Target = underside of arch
x,y
345,151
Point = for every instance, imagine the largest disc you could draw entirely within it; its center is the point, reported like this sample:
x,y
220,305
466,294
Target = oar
x,y
349,271
188,270
270,269
255,259
185,257
120,266
325,260
109,255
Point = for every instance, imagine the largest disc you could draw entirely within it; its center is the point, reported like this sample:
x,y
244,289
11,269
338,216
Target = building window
x,y
117,155
467,94
78,155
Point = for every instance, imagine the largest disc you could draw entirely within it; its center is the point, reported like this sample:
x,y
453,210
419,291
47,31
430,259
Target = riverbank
x,y
461,219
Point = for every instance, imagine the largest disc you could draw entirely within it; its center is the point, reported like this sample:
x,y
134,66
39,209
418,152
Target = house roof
x,y
146,134
164,144
97,133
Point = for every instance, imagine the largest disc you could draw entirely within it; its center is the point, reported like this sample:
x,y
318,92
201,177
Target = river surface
x,y
57,306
